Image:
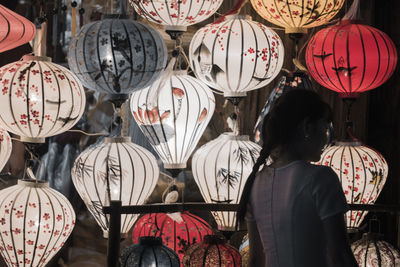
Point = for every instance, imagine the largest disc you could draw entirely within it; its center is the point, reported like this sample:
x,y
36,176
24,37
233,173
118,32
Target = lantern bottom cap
x,y
226,228
33,183
175,28
120,139
235,94
175,165
27,139
295,30
122,235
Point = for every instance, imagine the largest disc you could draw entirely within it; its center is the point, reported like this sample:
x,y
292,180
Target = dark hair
x,y
280,129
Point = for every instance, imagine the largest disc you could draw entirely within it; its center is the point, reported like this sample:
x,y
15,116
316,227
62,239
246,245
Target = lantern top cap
x,y
120,139
350,21
33,183
348,143
238,16
233,136
116,16
151,241
214,239
38,58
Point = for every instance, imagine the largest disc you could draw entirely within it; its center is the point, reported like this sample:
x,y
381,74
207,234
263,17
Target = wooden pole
x,y
114,234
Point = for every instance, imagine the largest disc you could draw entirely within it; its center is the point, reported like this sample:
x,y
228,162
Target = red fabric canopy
x,y
15,30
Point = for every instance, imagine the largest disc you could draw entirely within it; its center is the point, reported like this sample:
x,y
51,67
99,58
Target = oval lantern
x,y
115,169
236,55
176,119
39,98
15,30
362,172
369,251
149,252
220,169
351,58
35,222
177,233
297,16
176,15
5,148
117,56
213,251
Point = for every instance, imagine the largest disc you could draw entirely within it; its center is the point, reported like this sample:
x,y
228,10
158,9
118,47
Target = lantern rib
x,y
175,148
39,226
168,9
123,225
216,171
270,56
43,100
348,62
290,13
364,59
334,61
130,52
353,180
120,180
385,76
194,159
24,223
113,54
302,15
182,154
285,22
375,188
228,183
8,24
144,48
80,68
99,59
8,256
179,11
222,24
387,249
237,89
227,52
11,230
10,98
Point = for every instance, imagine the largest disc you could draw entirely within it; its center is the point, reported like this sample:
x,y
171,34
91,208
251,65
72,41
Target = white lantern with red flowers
x,y
5,147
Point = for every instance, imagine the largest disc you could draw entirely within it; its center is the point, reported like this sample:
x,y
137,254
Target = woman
x,y
294,209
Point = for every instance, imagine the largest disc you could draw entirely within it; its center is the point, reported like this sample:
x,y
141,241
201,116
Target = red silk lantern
x,y
15,30
178,233
351,58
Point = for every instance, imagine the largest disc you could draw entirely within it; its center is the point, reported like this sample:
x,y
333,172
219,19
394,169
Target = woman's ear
x,y
305,128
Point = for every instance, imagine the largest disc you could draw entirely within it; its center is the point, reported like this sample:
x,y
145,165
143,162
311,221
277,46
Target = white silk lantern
x,y
115,169
35,222
175,120
236,55
39,98
5,147
362,172
221,168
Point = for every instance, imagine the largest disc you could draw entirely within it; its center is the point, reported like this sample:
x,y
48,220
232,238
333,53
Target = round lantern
x,y
362,172
372,252
5,148
176,15
220,169
35,222
351,58
177,233
174,121
115,169
39,98
297,16
149,252
236,55
213,251
15,30
117,55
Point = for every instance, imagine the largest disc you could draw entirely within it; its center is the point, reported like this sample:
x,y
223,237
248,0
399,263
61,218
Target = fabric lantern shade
x,y
178,232
176,15
213,251
369,251
236,55
35,222
174,121
115,169
362,172
39,98
149,252
5,147
220,169
15,30
351,58
297,16
117,56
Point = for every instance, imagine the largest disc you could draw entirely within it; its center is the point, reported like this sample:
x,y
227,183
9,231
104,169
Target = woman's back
x,y
288,205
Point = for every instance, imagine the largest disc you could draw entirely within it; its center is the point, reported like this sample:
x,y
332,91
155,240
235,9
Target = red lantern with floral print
x,y
178,230
351,58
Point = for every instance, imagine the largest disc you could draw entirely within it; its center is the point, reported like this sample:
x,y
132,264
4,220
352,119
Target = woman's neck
x,y
284,159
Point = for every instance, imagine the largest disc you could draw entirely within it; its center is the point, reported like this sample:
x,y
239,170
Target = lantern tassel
x,y
353,12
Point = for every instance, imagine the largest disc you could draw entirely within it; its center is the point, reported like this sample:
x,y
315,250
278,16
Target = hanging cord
x,y
29,148
354,12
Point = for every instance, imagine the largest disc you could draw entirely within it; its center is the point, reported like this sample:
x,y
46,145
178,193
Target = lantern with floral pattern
x,y
5,147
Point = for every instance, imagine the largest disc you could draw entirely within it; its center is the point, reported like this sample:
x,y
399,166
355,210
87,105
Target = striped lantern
x,y
176,15
15,30
297,16
177,230
220,169
370,251
39,98
115,169
5,147
362,172
236,55
351,58
35,222
176,118
213,251
117,55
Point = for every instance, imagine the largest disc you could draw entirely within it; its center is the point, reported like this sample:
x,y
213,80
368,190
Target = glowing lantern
x,y
39,98
362,172
174,14
116,169
236,55
178,117
369,251
297,16
351,58
5,147
149,252
117,55
220,169
177,233
35,222
213,251
15,30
